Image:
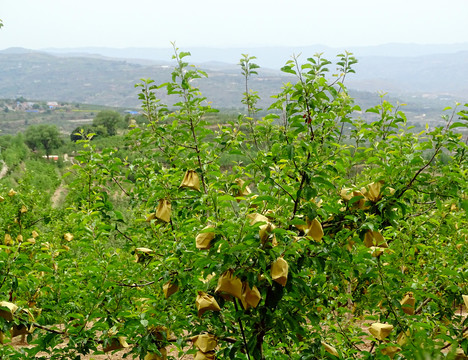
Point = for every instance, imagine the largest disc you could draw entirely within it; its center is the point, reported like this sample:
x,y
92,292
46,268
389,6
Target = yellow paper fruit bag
x,y
265,234
205,342
21,329
465,299
204,356
229,284
150,217
205,302
142,254
330,349
7,314
163,211
279,271
373,191
390,351
402,338
170,289
152,356
380,331
116,344
203,240
407,303
191,180
348,194
8,240
374,238
250,297
315,230
242,190
255,218
68,237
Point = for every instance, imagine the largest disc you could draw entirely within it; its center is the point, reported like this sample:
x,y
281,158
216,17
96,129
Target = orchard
x,y
308,233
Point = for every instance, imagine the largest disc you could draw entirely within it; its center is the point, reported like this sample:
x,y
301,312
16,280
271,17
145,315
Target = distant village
x,y
21,104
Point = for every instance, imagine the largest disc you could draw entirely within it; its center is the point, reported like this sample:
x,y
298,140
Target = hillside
x,y
41,76
425,81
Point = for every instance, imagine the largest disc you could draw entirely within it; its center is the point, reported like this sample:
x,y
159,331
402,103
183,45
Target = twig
x,y
134,285
120,186
58,332
424,303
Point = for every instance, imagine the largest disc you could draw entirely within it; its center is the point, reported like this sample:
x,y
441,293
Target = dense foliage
x,y
306,234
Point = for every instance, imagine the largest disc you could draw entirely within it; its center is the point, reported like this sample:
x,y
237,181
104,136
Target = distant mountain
x,y
107,76
267,57
435,74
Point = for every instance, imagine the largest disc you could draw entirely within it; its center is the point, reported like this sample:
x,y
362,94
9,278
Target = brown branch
x,y
120,186
58,332
420,171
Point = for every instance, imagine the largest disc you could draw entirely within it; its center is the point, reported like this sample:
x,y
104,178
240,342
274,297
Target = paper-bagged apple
x,y
242,190
279,271
205,302
117,343
229,284
407,303
374,238
380,331
330,349
170,288
315,230
164,210
200,355
191,180
205,342
153,356
8,311
204,239
250,296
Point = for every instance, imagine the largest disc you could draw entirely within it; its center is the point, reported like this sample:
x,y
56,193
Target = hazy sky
x,y
37,24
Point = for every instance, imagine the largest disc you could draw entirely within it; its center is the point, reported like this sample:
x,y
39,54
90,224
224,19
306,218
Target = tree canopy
x,y
46,137
110,120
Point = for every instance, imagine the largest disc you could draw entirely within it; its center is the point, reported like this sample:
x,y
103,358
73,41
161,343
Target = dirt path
x,y
4,169
57,197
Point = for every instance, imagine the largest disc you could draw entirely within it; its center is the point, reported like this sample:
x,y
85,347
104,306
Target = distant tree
x,y
110,119
44,136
